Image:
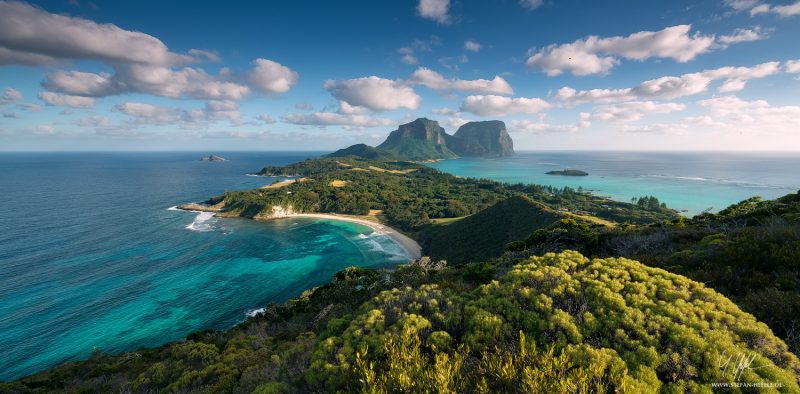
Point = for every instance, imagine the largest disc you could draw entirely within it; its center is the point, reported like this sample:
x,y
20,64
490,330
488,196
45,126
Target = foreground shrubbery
x,y
750,252
557,323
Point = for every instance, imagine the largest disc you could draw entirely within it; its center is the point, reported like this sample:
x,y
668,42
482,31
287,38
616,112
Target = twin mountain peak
x,y
423,139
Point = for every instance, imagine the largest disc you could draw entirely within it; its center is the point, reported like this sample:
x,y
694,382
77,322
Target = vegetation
x,y
411,194
749,252
519,309
366,152
483,235
556,323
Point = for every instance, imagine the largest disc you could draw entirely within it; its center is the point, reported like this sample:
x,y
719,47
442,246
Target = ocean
x,y
93,256
690,182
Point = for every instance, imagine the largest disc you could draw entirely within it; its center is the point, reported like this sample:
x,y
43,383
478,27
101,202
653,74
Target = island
x,y
212,158
515,281
567,173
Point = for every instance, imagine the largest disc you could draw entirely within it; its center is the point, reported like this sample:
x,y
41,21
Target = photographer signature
x,y
736,364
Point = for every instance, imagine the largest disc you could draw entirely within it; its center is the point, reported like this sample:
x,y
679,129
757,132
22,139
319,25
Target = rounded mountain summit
x,y
423,139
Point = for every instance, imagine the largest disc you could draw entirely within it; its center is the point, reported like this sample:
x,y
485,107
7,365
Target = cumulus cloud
x,y
92,121
409,52
634,110
595,55
10,94
436,10
472,46
780,10
268,76
336,119
531,4
541,127
492,105
656,128
432,79
32,36
377,94
793,66
575,97
733,114
744,35
141,63
66,100
671,87
266,119
149,114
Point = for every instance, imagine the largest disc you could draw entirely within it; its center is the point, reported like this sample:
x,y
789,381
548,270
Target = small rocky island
x,y
568,173
212,158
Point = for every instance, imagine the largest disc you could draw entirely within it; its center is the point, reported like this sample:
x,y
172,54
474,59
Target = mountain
x,y
485,234
422,139
483,139
365,151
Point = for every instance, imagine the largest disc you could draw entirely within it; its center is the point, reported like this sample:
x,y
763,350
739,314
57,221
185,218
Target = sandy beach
x,y
412,247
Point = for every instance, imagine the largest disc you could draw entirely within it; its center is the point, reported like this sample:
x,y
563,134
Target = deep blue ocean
x,y
92,256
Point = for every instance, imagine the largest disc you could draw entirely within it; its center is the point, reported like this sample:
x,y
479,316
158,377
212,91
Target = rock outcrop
x,y
482,139
422,139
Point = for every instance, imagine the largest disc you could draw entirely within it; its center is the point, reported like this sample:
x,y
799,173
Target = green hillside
x,y
484,234
557,323
366,152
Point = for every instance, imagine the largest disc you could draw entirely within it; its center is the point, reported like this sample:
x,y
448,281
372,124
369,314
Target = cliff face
x,y
422,139
482,139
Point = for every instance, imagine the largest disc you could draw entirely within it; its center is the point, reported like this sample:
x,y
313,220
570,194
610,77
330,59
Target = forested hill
x,y
526,321
411,195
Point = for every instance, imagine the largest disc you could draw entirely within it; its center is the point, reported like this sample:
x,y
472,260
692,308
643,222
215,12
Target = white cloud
x,y
432,79
671,87
733,114
744,35
793,66
472,46
531,4
436,10
66,100
444,111
491,105
336,119
149,114
575,97
304,106
268,76
781,10
265,118
44,129
541,127
634,110
92,121
10,94
375,93
595,55
32,36
211,56
741,5
408,56
656,128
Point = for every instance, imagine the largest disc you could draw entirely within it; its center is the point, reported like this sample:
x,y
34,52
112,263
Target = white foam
x,y
173,208
199,222
717,181
255,312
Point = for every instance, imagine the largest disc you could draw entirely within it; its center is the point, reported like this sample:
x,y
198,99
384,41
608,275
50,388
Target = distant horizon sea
x,y
94,255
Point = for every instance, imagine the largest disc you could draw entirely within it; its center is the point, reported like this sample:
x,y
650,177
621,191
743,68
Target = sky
x,y
563,75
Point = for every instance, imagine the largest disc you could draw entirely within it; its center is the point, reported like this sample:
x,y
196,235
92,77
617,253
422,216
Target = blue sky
x,y
708,75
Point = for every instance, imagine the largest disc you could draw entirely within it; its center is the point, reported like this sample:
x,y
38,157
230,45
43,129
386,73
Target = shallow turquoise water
x,y
690,181
92,257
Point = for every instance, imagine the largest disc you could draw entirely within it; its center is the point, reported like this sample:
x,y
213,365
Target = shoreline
x,y
411,246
